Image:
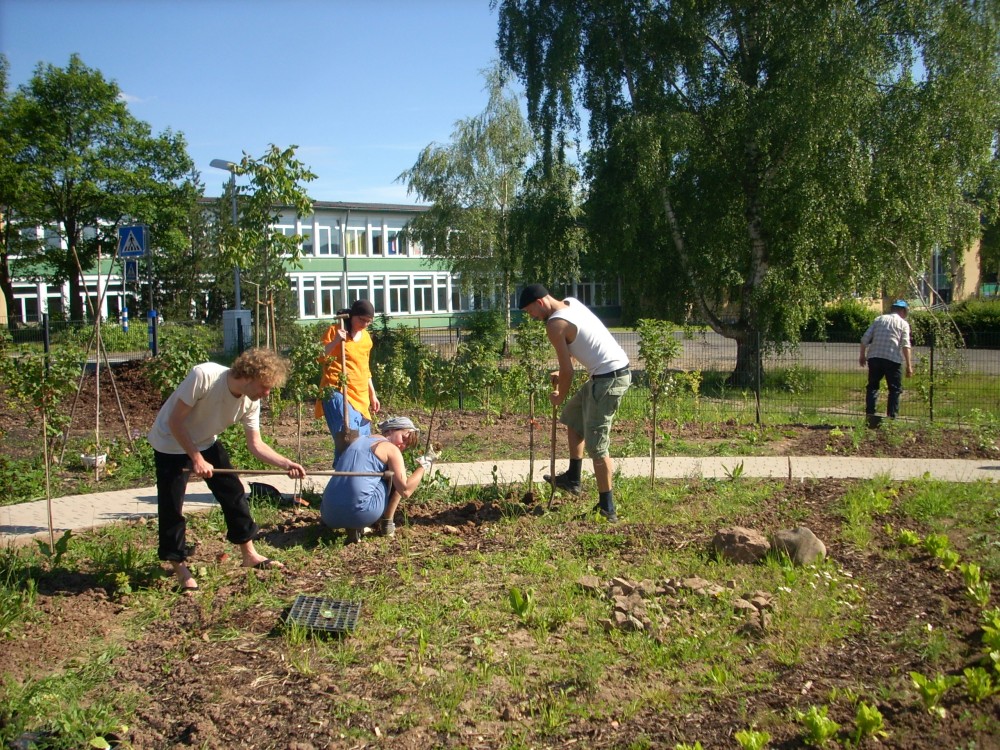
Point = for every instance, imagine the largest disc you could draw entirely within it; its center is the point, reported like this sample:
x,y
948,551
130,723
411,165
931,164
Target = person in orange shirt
x,y
362,400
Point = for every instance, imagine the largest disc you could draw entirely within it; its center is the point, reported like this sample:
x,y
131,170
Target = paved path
x,y
21,523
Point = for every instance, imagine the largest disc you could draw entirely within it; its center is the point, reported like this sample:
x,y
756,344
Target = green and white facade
x,y
360,247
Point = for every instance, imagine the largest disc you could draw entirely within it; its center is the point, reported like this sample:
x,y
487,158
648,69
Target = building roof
x,y
349,206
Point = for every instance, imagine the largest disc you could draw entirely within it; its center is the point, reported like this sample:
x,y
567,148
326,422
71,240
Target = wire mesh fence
x,y
814,382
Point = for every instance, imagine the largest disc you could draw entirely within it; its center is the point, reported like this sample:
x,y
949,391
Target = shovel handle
x,y
328,473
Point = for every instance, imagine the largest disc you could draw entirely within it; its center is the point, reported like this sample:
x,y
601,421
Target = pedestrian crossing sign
x,y
132,241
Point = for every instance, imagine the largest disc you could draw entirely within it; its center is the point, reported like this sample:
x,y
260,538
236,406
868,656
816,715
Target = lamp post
x,y
231,168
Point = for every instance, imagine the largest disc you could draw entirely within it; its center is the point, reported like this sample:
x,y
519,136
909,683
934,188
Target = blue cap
x,y
901,303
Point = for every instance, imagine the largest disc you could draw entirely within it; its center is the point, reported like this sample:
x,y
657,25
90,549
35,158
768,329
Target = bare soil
x,y
207,691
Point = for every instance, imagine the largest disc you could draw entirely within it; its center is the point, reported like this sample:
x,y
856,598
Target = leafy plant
x,y
971,573
935,544
54,552
166,370
735,473
907,538
932,690
949,559
980,593
979,684
868,722
522,602
752,739
819,727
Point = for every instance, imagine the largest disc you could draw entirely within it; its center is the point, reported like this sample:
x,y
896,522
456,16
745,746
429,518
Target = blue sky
x,y
360,86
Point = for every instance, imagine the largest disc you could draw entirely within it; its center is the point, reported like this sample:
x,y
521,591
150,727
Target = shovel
x,y
346,436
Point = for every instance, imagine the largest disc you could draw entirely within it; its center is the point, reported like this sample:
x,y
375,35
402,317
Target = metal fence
x,y
812,382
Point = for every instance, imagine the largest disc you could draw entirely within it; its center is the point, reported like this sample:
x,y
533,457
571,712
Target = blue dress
x,y
356,502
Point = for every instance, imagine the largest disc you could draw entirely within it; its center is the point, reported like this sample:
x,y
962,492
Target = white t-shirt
x,y
594,347
214,408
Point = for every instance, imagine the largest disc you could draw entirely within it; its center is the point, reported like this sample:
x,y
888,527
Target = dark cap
x,y
362,308
531,293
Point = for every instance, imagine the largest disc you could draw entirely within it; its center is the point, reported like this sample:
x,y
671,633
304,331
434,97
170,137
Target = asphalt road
x,y
710,351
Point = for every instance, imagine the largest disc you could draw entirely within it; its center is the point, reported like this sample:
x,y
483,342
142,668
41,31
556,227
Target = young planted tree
x,y
530,374
254,245
753,161
657,348
303,381
472,184
36,384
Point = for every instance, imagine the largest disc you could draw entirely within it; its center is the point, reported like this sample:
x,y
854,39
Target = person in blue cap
x,y
885,348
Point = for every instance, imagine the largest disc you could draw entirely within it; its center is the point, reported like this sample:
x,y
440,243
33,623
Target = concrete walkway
x,y
19,524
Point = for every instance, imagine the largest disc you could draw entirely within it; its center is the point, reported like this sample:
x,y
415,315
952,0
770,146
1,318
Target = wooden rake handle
x,y
327,473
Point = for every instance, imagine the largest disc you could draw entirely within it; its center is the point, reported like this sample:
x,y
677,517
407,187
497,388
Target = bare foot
x,y
185,581
260,562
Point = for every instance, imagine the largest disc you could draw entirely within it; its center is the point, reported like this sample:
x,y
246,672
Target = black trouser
x,y
879,368
171,485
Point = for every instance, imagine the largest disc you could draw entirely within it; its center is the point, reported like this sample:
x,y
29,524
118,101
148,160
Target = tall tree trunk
x,y
749,362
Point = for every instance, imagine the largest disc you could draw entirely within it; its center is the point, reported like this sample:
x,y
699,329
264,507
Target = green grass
x,y
446,647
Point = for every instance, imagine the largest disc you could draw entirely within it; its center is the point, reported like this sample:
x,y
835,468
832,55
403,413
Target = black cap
x,y
362,308
531,293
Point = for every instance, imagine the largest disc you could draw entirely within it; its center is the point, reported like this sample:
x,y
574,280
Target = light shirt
x,y
886,338
214,408
594,347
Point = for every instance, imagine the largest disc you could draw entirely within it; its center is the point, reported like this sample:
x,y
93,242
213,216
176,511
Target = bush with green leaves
x,y
397,360
844,321
186,348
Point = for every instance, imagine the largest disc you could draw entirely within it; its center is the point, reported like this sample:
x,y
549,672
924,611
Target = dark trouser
x,y
879,368
171,485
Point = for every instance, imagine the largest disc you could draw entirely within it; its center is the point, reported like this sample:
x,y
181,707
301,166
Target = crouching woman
x,y
353,502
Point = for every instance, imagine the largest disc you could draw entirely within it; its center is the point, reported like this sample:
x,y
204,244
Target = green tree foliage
x,y
255,245
473,184
749,162
13,192
89,167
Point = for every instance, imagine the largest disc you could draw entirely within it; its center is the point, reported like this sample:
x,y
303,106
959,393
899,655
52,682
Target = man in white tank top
x,y
576,333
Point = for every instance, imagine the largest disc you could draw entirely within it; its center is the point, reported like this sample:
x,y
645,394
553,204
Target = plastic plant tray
x,y
323,614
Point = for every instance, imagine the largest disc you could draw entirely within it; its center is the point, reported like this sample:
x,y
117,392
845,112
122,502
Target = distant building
x,y
360,247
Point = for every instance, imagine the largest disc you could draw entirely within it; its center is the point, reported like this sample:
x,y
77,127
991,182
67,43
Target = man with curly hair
x,y
185,442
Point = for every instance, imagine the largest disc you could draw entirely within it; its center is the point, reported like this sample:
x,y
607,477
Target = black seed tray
x,y
321,613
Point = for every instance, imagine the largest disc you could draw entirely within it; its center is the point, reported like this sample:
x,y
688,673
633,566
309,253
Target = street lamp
x,y
231,168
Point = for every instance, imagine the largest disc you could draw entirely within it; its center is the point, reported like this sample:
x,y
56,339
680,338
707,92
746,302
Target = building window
x,y
378,294
330,296
377,248
423,294
399,295
356,240
357,288
442,293
326,244
397,244
307,292
306,244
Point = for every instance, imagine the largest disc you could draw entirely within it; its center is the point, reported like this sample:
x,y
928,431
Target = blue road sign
x,y
132,241
131,269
